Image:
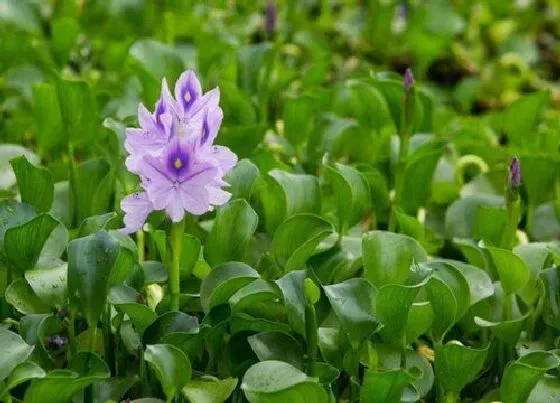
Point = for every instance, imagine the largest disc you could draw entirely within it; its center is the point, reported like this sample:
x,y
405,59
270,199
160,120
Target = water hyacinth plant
x,y
181,170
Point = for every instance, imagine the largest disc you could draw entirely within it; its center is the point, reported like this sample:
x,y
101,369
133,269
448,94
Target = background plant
x,y
374,248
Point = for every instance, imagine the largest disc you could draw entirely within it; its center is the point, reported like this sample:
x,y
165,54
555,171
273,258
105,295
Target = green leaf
x,y
241,179
388,256
171,366
208,389
420,319
61,385
20,294
444,306
353,198
23,372
65,32
394,317
50,135
419,171
508,331
95,223
547,390
296,238
35,184
50,284
21,15
537,257
521,118
223,282
277,381
90,260
479,282
353,301
89,191
512,270
23,244
258,291
78,109
170,323
12,214
13,351
234,226
460,216
125,300
298,119
457,365
521,376
277,346
538,173
282,195
294,299
389,358
387,386
7,153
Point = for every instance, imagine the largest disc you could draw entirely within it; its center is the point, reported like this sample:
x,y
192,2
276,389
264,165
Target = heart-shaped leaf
x,y
35,184
171,365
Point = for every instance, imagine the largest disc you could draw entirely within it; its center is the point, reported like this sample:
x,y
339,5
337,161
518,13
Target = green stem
x,y
140,244
403,358
450,397
176,244
72,180
108,340
72,331
311,333
93,339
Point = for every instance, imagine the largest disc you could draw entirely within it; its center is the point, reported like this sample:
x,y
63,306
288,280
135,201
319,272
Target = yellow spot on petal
x,y
178,163
187,96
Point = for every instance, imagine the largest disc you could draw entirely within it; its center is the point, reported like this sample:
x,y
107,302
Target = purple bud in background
x,y
56,341
408,80
271,17
514,173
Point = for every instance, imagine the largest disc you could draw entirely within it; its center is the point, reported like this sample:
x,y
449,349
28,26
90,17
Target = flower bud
x,y
271,17
514,173
408,80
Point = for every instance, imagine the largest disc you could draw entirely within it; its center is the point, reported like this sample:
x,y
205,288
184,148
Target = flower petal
x,y
187,91
195,199
136,207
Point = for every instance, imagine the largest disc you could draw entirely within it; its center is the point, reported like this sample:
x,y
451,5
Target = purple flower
x,y
514,173
408,80
271,17
181,170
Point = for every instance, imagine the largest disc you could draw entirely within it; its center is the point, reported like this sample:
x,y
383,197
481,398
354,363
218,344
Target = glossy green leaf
x,y
522,117
23,244
50,285
277,346
256,292
444,305
233,227
20,295
22,15
277,381
241,179
521,376
512,270
420,319
283,194
23,372
171,365
457,365
394,317
294,299
298,119
351,189
208,389
61,385
296,239
125,300
507,331
95,223
90,260
223,282
35,184
13,351
385,386
387,257
353,301
170,323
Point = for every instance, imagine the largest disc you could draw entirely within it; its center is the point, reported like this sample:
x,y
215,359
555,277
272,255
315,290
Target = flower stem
x,y
176,245
450,397
140,240
311,333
